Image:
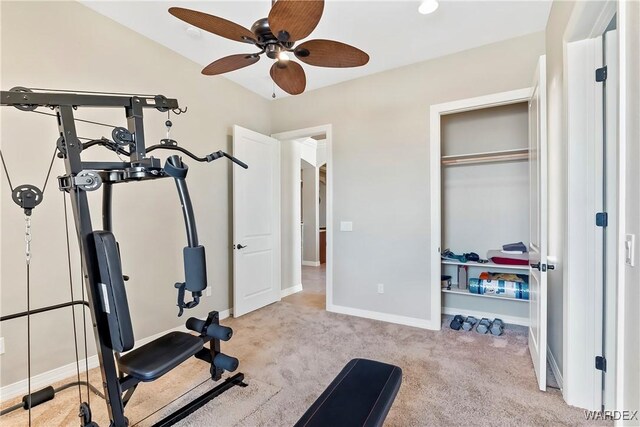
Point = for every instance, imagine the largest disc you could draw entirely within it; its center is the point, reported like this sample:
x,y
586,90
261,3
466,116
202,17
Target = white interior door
x,y
538,218
256,221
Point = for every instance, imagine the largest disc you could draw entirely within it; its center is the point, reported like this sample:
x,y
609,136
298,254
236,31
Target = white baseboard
x,y
225,313
522,321
385,317
554,367
290,291
45,379
311,263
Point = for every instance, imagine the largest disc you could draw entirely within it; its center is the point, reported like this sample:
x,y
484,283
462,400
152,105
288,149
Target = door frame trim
x,y
436,111
587,22
307,133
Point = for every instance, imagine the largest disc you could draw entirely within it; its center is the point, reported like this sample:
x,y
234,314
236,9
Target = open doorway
x,y
306,216
313,226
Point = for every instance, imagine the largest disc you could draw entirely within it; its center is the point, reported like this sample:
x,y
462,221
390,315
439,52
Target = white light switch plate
x,y
630,249
346,226
1,345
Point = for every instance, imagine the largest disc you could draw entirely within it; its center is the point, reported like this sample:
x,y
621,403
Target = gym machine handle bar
x,y
208,158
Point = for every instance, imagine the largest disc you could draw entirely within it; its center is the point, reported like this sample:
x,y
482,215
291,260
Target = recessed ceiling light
x,y
194,33
428,6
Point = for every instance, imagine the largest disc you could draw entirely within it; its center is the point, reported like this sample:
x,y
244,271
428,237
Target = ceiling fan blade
x,y
292,20
289,76
230,63
330,53
214,24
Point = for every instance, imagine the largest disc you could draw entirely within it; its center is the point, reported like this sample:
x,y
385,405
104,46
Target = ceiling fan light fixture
x,y
428,6
282,56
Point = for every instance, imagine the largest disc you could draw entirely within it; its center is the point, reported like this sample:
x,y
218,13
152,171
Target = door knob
x,y
239,246
543,267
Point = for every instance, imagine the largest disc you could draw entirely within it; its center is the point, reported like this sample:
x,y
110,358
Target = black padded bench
x,y
361,395
158,357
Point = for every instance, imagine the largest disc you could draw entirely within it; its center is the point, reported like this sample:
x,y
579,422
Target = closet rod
x,y
489,157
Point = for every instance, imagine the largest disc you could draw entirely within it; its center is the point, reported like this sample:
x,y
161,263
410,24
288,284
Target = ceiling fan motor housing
x,y
267,40
262,30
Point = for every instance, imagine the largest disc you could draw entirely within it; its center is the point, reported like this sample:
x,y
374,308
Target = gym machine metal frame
x,y
83,176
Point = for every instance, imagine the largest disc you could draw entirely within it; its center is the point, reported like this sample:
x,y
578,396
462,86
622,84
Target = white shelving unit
x,y
486,265
483,266
459,291
461,301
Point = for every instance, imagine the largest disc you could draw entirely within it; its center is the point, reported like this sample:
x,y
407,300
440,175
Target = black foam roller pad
x,y
195,325
38,397
225,362
195,269
222,333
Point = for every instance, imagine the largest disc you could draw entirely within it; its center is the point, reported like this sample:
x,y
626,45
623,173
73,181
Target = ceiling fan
x,y
289,21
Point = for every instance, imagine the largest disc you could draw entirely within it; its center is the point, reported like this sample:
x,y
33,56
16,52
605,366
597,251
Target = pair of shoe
x,y
471,256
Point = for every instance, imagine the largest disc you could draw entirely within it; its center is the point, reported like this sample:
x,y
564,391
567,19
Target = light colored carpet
x,y
290,351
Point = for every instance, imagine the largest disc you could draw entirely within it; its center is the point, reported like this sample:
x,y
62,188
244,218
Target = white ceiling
x,y
393,33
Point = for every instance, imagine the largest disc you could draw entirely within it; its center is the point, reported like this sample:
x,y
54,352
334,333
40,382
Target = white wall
x,y
291,214
71,47
381,150
308,150
321,152
310,217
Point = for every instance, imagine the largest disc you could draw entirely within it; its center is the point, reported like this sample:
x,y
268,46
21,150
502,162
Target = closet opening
x,y
485,207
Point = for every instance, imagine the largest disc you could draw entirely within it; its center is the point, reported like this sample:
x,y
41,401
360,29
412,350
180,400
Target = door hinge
x,y
602,219
601,74
601,364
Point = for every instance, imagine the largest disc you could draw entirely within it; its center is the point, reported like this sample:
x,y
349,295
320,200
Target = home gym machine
x,y
100,255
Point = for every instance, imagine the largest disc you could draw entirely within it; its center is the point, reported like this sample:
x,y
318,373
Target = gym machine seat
x,y
361,395
158,357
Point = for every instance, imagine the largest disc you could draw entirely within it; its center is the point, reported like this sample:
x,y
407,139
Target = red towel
x,y
509,261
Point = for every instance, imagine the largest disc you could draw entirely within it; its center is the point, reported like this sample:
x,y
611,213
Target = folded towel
x,y
521,247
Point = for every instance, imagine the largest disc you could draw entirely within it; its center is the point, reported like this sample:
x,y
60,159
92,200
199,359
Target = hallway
x,y
313,293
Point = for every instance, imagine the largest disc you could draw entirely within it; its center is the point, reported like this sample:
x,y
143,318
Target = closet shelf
x,y
459,291
486,265
486,157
